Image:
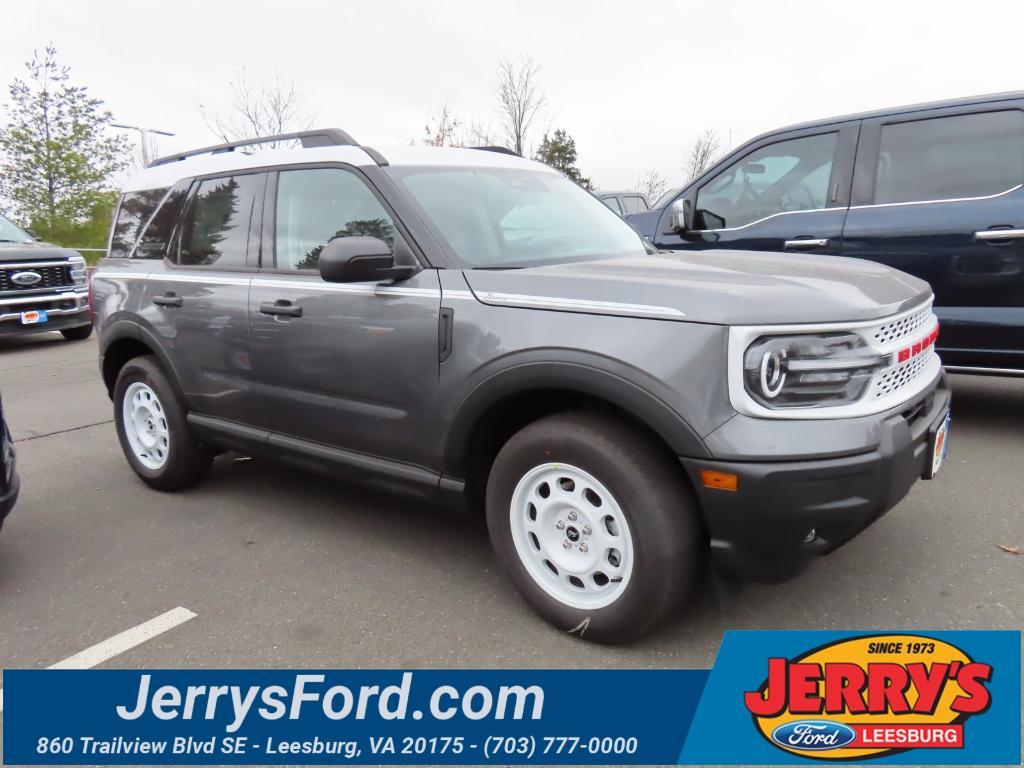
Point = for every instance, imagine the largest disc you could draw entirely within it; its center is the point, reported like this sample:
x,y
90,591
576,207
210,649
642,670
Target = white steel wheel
x,y
571,535
145,425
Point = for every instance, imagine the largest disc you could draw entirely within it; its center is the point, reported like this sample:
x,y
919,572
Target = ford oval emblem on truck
x,y
26,278
813,734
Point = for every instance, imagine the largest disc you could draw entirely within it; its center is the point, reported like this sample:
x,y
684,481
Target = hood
x,y
716,286
34,251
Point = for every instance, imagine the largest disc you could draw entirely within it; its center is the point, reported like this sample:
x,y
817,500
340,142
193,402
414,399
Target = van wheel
x,y
152,429
596,525
78,333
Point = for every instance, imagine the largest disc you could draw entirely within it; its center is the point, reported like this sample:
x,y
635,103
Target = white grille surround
x,y
889,388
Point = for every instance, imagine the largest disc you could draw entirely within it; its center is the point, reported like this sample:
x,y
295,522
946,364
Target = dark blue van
x,y
932,189
8,475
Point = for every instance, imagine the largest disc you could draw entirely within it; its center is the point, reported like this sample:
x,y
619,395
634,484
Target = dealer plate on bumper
x,y
34,316
939,447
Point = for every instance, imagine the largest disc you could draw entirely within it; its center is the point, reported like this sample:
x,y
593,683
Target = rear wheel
x,y
78,333
152,429
595,524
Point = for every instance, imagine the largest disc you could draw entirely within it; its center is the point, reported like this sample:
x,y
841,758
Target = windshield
x,y
503,217
12,234
662,201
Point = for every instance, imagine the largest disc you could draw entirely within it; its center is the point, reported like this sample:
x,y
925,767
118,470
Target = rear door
x,y
939,195
196,299
787,192
347,365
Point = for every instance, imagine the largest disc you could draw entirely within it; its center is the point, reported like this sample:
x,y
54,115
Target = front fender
x,y
630,389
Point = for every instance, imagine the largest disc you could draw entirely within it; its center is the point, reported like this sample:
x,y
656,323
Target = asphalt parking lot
x,y
283,569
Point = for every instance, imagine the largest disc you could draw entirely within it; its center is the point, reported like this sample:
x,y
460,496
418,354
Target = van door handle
x,y
806,243
169,299
281,307
995,235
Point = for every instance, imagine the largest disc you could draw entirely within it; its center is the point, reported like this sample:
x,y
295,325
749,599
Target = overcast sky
x,y
632,81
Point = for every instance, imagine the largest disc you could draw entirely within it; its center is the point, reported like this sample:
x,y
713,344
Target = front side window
x,y
950,157
132,214
494,217
317,205
217,226
786,176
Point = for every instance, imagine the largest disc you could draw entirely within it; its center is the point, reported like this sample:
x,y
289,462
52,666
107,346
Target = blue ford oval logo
x,y
813,735
26,278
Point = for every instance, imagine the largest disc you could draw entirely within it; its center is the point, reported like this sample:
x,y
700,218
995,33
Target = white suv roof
x,y
226,157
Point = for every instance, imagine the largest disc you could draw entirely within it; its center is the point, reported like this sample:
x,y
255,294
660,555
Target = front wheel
x,y
595,523
78,333
152,429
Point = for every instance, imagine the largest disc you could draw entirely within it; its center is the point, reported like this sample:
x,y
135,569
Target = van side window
x,y
317,205
790,175
217,226
950,157
153,242
132,214
634,203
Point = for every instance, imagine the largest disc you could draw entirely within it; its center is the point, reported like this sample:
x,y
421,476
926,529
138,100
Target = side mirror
x,y
681,217
34,236
360,260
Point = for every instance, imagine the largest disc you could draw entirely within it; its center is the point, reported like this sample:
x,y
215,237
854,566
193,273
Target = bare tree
x,y
703,152
272,108
651,185
443,131
519,99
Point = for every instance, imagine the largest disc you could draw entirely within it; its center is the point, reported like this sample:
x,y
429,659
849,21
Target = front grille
x,y
52,277
895,330
896,378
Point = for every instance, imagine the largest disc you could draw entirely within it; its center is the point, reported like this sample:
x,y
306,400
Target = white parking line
x,y
122,642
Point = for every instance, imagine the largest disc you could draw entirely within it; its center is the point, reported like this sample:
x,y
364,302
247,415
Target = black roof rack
x,y
322,137
499,150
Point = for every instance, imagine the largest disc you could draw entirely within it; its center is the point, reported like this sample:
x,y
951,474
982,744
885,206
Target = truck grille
x,y
896,378
893,331
52,277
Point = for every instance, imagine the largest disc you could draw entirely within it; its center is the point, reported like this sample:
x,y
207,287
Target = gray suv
x,y
470,328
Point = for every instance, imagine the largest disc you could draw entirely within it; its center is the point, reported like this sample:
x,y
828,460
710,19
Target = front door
x,y
788,193
940,197
348,365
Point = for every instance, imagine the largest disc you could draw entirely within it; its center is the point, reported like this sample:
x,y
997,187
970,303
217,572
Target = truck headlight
x,y
808,371
79,274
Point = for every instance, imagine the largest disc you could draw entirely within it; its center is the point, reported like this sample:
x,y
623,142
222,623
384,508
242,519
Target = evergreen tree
x,y
559,151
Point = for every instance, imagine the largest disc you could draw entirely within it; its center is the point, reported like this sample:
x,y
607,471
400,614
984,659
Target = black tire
x,y
187,461
654,496
78,333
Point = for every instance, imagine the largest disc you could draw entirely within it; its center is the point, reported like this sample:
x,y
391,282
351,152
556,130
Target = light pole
x,y
143,132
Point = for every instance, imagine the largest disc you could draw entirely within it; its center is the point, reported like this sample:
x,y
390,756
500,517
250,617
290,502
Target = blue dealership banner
x,y
772,697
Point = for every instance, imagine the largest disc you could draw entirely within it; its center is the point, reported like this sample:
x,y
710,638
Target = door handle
x,y
281,307
169,299
995,235
807,243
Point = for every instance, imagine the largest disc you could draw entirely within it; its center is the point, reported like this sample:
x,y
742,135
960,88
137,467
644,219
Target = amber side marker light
x,y
723,481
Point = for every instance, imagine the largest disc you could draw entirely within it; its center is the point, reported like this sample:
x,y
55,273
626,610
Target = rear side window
x,y
132,214
950,157
634,203
153,242
217,227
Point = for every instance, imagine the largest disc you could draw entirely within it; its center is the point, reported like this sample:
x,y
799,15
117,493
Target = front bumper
x,y
761,530
66,309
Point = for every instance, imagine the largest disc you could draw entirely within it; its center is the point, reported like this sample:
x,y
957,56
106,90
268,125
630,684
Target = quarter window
x,y
218,225
786,176
950,157
132,214
318,205
613,203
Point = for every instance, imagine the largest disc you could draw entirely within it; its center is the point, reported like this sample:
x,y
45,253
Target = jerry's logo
x,y
870,696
